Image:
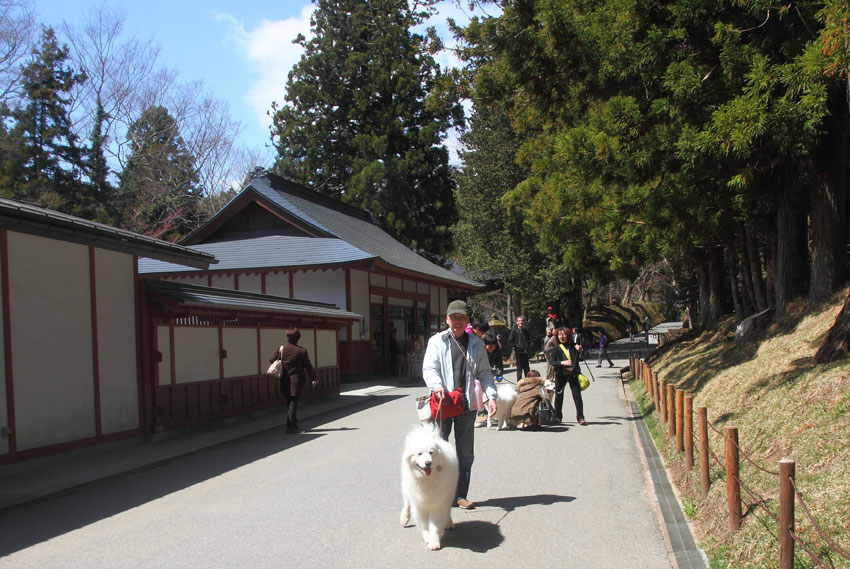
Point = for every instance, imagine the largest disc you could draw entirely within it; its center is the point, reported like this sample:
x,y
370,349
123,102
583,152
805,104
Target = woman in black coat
x,y
563,357
296,361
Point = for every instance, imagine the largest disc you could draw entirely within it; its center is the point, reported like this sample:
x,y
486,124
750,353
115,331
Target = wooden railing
x,y
675,408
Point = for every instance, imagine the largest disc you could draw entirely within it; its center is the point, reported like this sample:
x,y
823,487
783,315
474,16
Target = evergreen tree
x,y
365,117
159,192
42,159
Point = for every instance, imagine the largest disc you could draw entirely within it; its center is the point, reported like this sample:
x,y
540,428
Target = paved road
x,y
566,497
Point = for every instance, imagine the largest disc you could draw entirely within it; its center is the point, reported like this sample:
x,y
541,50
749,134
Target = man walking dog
x,y
453,359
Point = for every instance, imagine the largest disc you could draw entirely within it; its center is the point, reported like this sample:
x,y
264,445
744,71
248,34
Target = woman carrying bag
x,y
297,363
563,357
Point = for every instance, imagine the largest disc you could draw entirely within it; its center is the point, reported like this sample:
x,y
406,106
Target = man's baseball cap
x,y
457,307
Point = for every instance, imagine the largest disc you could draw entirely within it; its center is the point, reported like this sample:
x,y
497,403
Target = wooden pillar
x,y
786,513
689,432
680,420
733,487
671,410
702,425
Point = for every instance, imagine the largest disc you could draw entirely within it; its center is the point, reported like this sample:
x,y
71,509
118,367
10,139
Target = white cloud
x,y
269,50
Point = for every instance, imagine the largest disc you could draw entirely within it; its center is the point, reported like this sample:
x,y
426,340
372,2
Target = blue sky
x,y
241,50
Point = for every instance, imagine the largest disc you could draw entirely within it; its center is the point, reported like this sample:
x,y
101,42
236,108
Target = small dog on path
x,y
506,395
429,471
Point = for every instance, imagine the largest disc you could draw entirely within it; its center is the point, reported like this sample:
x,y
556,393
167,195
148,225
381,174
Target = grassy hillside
x,y
784,407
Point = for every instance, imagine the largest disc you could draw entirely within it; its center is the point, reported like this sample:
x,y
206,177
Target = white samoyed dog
x,y
429,473
506,395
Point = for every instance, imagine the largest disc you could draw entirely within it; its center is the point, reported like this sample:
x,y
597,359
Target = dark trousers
x,y
522,367
291,410
464,426
561,383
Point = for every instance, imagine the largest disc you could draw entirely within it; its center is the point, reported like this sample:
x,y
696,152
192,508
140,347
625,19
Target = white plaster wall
x,y
378,280
325,348
116,339
359,301
307,341
270,339
196,354
394,283
277,284
392,301
321,286
163,345
223,281
200,280
50,319
251,283
422,288
409,286
241,346
4,415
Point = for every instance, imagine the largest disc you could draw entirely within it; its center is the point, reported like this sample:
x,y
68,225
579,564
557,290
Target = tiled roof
x,y
189,294
349,224
27,218
267,252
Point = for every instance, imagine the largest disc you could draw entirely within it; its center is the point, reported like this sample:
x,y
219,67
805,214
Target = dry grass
x,y
784,407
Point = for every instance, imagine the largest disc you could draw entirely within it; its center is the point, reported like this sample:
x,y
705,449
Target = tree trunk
x,y
759,287
627,296
791,249
828,204
747,295
837,342
825,220
711,287
733,283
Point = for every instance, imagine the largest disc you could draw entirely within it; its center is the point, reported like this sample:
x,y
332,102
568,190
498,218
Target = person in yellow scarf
x,y
563,357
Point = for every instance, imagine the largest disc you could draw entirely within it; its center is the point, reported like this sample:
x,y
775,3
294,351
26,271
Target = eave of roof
x,y
194,295
269,252
34,220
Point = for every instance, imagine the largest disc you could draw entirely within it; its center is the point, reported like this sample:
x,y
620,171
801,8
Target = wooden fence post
x,y
671,410
786,513
689,432
652,385
655,391
680,420
702,425
632,364
663,395
733,486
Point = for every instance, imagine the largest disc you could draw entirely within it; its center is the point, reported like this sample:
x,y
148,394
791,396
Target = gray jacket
x,y
437,365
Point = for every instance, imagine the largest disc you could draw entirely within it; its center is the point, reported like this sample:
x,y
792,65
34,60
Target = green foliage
x,y
42,161
366,111
657,130
159,193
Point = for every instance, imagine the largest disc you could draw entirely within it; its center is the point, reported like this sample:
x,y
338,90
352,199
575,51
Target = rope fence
x,y
675,408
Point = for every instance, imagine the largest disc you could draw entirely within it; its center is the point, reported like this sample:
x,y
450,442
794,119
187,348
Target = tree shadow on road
x,y
27,524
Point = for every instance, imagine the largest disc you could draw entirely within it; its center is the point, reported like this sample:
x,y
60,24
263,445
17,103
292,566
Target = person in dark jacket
x,y
520,341
564,358
297,363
